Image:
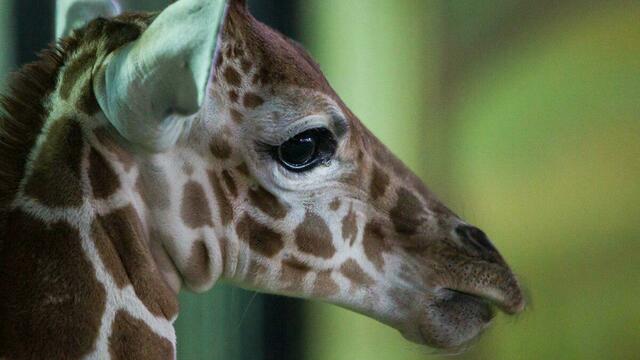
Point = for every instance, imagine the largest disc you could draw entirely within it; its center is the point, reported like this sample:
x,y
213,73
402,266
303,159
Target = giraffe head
x,y
281,188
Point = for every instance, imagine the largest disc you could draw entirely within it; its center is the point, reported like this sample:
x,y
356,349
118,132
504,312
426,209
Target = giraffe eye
x,y
306,150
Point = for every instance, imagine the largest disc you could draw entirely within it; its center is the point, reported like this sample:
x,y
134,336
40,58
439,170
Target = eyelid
x,y
333,121
306,123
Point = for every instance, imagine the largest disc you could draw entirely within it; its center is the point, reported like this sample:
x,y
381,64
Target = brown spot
x,y
245,65
230,183
232,76
111,145
292,274
350,226
195,208
252,100
198,271
224,206
48,291
236,115
220,148
267,202
244,170
55,180
374,244
379,183
153,186
352,271
335,204
406,215
104,180
233,96
296,264
261,238
314,237
119,32
238,51
324,285
122,245
258,77
87,101
109,255
132,338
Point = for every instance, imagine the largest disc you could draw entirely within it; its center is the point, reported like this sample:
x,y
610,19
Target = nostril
x,y
475,237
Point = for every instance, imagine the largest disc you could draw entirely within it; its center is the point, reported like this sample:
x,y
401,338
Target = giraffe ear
x,y
72,14
148,87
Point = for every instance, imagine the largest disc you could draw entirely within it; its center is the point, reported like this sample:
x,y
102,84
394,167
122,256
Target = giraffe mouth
x,y
492,299
451,318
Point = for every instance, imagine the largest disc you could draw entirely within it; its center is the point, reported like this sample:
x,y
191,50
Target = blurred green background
x,y
524,116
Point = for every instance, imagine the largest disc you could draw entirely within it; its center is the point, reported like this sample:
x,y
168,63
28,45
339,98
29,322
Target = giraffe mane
x,y
22,115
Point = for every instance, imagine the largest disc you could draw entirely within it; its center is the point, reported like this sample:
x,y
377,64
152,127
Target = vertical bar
x,y
7,33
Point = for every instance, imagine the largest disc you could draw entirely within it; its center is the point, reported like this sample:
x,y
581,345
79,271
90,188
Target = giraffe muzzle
x,y
451,317
465,284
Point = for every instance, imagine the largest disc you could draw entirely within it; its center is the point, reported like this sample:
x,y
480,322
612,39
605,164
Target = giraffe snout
x,y
478,269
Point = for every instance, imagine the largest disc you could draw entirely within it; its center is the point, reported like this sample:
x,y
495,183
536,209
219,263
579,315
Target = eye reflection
x,y
306,150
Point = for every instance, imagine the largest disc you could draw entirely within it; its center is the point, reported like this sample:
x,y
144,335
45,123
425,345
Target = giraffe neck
x,y
75,249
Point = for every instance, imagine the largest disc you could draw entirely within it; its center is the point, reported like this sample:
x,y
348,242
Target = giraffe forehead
x,y
277,60
260,72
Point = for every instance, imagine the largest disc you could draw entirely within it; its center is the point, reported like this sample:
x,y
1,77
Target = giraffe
x,y
150,152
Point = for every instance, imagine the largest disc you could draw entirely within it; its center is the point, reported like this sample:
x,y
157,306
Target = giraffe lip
x,y
508,304
451,320
485,306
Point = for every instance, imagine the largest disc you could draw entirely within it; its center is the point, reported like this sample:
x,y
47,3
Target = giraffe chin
x,y
450,321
